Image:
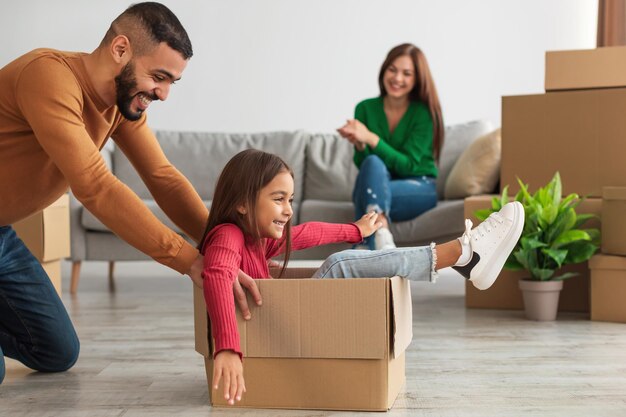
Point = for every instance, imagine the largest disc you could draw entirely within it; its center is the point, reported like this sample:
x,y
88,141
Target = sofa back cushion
x,y
457,138
330,172
202,156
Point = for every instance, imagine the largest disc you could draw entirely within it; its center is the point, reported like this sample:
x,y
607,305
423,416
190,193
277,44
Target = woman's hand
x,y
358,134
368,224
228,365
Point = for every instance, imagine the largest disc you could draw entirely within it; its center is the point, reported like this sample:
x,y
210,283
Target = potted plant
x,y
552,237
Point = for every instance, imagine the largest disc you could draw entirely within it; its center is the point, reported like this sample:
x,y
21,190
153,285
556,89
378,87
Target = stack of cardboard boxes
x,y
608,269
47,236
577,128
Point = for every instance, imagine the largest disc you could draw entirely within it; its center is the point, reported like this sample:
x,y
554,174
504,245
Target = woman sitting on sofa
x,y
397,140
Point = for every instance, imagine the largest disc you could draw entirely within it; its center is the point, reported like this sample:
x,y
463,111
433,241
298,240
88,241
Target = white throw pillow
x,y
478,168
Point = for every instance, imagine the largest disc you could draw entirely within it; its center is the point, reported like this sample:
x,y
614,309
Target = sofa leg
x,y
75,277
111,277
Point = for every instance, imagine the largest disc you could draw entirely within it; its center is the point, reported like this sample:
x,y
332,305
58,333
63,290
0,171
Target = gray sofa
x,y
324,176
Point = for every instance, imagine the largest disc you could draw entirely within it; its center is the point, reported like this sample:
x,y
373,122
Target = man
x,y
57,109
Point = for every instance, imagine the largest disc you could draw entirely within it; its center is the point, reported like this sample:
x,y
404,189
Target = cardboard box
x,y
505,293
581,134
47,233
53,269
588,68
614,220
608,288
332,344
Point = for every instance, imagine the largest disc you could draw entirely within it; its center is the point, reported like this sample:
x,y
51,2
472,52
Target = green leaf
x,y
549,214
541,274
580,251
570,236
558,255
565,276
482,214
557,191
504,199
582,219
532,243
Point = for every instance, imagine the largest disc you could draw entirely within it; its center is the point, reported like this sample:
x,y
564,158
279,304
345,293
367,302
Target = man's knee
x,y
60,357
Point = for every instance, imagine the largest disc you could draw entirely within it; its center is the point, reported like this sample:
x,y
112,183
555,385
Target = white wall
x,y
263,65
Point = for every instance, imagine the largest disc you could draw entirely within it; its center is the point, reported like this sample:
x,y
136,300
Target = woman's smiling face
x,y
399,77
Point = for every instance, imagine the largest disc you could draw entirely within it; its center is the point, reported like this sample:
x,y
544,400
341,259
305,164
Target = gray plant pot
x,y
541,298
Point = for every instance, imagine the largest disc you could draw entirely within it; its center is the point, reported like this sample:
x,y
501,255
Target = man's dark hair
x,y
148,24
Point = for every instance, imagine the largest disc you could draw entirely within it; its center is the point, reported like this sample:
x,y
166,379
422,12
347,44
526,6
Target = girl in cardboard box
x,y
250,223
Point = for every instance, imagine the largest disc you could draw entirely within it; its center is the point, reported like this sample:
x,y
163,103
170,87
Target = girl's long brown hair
x,y
424,89
238,185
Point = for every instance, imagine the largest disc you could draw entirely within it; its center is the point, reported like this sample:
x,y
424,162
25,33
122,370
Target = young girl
x,y
250,222
397,140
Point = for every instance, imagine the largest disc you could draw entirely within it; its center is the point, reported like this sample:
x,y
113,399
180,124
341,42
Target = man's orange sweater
x,y
52,126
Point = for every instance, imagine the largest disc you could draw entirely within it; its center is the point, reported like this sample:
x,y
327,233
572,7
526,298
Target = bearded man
x,y
57,110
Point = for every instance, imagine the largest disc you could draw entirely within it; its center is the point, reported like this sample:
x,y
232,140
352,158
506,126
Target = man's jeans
x,y
400,199
415,264
34,326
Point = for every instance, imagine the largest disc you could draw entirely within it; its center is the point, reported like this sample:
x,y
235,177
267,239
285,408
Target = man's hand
x,y
244,281
368,224
228,365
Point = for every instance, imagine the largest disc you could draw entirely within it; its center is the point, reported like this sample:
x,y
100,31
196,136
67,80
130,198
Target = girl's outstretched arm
x,y
311,234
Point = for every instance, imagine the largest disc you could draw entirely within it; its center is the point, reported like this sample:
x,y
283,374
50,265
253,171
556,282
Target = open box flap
x,y
402,315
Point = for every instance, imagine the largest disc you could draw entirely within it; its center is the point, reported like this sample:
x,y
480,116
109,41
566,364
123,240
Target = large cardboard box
x,y
614,220
505,293
581,134
53,269
608,288
47,233
588,68
333,344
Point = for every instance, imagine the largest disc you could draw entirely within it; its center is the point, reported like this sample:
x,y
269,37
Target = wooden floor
x,y
137,358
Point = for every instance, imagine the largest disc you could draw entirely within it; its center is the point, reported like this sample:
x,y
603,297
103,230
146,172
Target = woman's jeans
x,y
415,264
35,328
400,199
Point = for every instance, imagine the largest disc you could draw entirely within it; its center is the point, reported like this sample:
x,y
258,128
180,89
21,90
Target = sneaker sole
x,y
490,272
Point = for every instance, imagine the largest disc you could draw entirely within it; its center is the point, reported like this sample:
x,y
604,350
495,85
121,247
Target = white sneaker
x,y
491,242
383,239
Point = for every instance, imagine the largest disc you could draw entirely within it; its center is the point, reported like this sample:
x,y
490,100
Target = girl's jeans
x,y
400,199
34,326
416,264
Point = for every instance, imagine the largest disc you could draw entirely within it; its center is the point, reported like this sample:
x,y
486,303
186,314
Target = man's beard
x,y
125,83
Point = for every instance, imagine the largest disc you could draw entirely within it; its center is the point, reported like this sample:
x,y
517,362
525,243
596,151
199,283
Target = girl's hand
x,y
228,365
358,134
368,224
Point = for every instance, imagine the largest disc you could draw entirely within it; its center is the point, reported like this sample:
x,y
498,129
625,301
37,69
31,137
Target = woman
x,y
397,140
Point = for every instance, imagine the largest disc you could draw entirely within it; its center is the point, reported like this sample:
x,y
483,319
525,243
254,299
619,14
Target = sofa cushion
x,y
202,156
444,220
326,211
330,172
478,168
91,222
457,138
